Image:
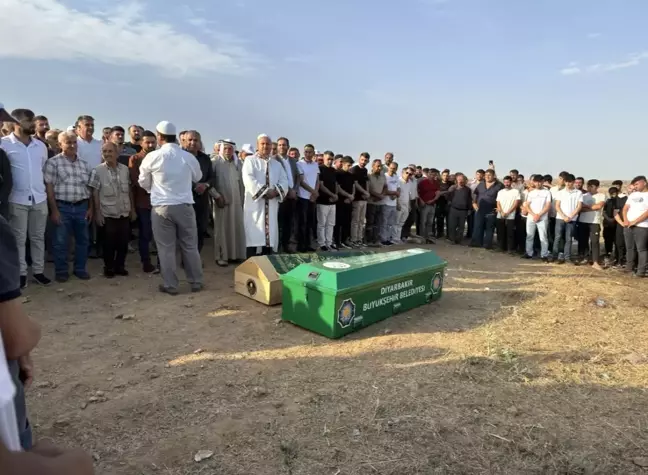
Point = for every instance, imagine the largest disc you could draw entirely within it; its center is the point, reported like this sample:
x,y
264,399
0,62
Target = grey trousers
x,y
427,213
389,216
171,224
29,220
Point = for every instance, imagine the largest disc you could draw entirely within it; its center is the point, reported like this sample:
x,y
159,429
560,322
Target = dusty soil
x,y
515,370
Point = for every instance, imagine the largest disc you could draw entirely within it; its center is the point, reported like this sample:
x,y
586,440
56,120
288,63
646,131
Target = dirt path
x,y
515,370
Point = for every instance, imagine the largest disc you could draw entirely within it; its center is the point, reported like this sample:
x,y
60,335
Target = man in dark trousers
x,y
193,145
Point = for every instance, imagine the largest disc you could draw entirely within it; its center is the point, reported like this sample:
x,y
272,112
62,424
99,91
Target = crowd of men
x,y
56,185
272,198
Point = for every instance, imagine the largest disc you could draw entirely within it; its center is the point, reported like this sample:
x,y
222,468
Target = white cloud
x,y
120,36
593,36
631,60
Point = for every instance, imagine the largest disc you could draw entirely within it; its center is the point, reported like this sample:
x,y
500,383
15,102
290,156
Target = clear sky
x,y
540,85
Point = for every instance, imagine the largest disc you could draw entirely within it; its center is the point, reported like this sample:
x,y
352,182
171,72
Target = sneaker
x,y
83,275
41,279
167,290
121,272
560,260
430,241
195,287
23,281
148,267
545,260
108,274
324,249
526,256
387,243
61,278
344,246
597,266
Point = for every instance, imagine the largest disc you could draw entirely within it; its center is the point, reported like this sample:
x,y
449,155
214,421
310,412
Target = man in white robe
x,y
229,231
266,185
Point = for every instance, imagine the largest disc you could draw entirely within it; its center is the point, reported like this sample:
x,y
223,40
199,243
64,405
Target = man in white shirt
x,y
390,204
89,150
568,204
554,190
407,187
635,219
168,175
508,202
306,198
590,220
538,204
28,200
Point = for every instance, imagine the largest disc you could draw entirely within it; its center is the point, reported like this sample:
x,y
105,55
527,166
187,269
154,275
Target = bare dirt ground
x,y
515,370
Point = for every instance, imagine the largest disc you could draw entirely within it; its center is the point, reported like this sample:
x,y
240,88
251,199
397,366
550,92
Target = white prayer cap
x,y
166,128
70,129
248,149
317,152
263,136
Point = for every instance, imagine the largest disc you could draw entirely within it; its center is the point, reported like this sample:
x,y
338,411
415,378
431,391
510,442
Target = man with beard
x,y
229,230
6,181
28,199
117,137
288,206
41,126
389,157
135,132
346,189
441,214
359,208
201,189
142,201
307,196
266,185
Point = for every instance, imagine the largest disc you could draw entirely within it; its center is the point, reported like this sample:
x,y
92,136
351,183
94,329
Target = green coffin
x,y
340,296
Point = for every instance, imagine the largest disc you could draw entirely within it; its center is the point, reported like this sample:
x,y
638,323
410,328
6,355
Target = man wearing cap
x,y
168,175
635,219
266,185
246,151
28,200
229,230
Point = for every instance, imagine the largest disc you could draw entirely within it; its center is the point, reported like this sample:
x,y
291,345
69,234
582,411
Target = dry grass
x,y
515,370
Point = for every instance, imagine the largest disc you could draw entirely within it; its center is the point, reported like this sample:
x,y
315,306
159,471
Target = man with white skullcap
x,y
246,150
168,175
229,230
266,185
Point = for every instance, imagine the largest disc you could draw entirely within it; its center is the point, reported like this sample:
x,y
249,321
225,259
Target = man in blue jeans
x,y
569,202
485,206
66,179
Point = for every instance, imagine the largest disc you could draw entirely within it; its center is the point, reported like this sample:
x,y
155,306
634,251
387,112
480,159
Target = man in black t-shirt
x,y
326,203
442,204
346,188
359,207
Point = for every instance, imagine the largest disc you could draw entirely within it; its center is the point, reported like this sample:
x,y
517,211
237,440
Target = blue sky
x,y
542,85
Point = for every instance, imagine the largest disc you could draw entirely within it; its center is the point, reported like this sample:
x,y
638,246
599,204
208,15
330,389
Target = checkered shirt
x,y
69,178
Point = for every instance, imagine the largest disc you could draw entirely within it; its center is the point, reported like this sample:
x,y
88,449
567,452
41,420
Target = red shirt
x,y
427,189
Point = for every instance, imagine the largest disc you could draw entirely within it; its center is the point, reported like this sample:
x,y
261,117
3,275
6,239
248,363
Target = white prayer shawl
x,y
261,214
